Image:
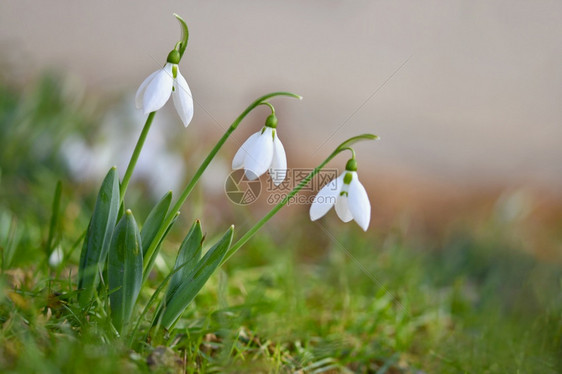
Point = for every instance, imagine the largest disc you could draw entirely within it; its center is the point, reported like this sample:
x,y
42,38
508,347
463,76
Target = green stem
x,y
269,105
248,235
135,157
187,190
251,232
350,150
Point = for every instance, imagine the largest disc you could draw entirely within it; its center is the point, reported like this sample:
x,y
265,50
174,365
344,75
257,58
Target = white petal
x,y
142,89
342,209
182,99
260,154
158,90
359,204
278,170
56,257
326,198
238,160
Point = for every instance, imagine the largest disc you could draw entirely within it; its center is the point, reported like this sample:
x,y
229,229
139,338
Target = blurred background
x,y
464,94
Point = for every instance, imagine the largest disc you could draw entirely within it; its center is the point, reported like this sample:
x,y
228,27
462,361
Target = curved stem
x,y
184,35
135,157
187,190
347,143
251,232
351,150
269,105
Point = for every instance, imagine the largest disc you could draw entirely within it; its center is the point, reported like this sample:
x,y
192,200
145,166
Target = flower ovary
x,y
173,57
271,121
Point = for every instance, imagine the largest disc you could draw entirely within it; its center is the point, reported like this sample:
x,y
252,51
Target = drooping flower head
x,y
155,91
347,194
261,152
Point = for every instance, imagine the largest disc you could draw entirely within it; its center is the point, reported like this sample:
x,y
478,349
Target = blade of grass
x,y
54,219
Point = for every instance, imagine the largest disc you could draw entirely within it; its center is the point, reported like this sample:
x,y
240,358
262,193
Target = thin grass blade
x,y
54,224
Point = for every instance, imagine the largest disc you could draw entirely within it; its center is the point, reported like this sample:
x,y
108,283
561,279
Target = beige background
x,y
464,92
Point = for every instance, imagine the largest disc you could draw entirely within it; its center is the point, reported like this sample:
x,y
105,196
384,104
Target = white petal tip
x,y
237,162
314,216
250,175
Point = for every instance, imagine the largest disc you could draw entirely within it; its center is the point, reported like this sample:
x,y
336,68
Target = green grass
x,y
382,302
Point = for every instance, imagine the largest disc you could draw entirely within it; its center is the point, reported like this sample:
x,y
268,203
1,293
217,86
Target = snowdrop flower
x,y
348,195
155,91
262,151
56,257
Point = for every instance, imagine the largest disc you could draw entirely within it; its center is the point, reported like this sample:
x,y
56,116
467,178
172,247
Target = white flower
x,y
155,91
350,199
56,257
262,151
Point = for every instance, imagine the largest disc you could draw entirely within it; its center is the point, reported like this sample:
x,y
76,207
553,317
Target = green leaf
x,y
10,235
152,258
154,220
148,305
124,270
192,284
53,226
189,255
98,237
